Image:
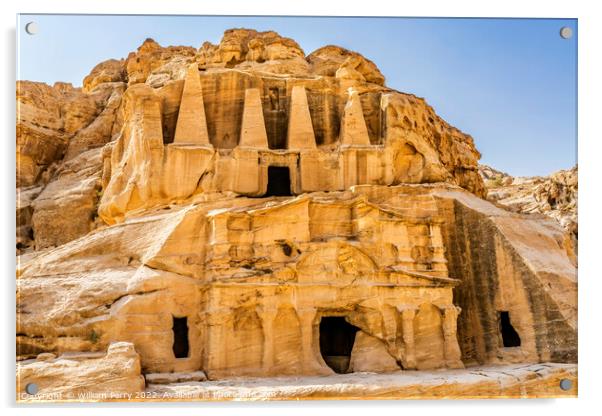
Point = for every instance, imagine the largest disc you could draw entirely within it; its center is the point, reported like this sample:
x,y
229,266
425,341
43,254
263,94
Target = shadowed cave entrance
x,y
279,181
180,337
336,342
510,337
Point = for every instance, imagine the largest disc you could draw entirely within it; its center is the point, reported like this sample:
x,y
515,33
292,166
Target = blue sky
x,y
510,83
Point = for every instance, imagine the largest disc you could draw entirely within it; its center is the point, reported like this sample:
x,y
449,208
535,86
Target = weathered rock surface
x,y
526,266
399,138
55,124
554,196
46,118
109,71
260,51
245,210
67,207
101,283
87,377
156,65
25,198
334,61
507,381
369,354
170,378
103,129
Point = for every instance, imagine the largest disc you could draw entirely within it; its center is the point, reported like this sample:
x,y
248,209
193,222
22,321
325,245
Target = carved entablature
x,y
348,241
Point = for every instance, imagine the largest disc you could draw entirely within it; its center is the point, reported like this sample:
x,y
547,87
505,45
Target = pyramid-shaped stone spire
x,y
192,124
252,132
353,126
300,130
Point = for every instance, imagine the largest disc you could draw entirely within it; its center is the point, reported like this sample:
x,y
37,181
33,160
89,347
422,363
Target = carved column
x,y
216,353
306,320
407,328
392,333
452,349
267,322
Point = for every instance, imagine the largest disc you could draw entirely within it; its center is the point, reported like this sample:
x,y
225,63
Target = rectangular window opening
x,y
180,337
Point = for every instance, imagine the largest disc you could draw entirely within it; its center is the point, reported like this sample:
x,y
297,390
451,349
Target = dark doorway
x,y
510,337
279,181
180,337
336,342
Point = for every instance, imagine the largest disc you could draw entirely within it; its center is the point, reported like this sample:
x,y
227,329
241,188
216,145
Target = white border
x,y
590,153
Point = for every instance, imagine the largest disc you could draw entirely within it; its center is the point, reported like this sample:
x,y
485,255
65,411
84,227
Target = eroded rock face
x,y
555,196
155,65
222,205
103,129
526,266
67,207
370,355
106,72
259,51
339,125
319,261
25,198
89,377
47,117
56,124
178,262
58,181
334,61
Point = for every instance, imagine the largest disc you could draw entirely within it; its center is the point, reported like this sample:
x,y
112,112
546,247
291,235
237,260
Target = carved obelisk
x,y
253,133
191,128
353,126
300,130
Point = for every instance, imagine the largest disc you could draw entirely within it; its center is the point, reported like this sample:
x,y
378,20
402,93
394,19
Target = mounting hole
x,y
31,28
566,384
566,32
31,388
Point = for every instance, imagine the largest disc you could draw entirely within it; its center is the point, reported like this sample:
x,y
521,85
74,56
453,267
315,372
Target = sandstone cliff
x,y
213,206
91,291
58,123
56,128
555,196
